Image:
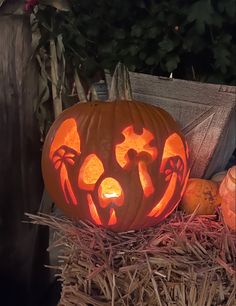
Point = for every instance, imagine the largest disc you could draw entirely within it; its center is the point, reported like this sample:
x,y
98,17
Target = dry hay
x,y
183,261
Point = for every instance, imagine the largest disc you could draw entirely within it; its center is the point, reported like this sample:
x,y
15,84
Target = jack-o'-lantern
x,y
120,164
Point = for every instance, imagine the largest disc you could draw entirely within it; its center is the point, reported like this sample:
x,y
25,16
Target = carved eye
x,y
90,172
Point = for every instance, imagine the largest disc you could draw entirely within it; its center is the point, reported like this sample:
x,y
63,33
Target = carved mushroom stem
x,y
66,186
170,190
120,84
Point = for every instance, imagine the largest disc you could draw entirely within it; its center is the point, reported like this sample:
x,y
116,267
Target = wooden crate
x,y
206,113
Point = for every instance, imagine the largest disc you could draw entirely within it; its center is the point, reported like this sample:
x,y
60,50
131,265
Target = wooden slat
x,y
205,112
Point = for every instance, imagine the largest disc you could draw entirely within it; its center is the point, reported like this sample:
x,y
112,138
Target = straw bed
x,y
183,261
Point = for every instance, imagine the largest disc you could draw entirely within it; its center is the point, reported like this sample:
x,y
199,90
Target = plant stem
x,y
120,84
57,102
79,88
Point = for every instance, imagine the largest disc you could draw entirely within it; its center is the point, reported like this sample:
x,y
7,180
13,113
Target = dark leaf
x,y
172,63
150,61
153,32
166,45
222,58
61,5
136,31
201,12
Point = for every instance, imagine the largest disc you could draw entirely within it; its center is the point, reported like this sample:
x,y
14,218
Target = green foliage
x,y
192,39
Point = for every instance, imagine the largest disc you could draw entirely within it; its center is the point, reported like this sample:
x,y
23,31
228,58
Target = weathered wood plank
x,y
206,113
22,246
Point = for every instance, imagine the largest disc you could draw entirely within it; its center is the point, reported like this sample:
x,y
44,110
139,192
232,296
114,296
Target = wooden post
x,y
22,246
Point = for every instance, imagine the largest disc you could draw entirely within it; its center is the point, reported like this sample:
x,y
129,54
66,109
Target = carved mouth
x,y
111,195
110,192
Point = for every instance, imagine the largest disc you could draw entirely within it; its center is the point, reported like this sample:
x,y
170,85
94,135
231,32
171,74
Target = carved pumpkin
x,y
204,193
120,164
228,194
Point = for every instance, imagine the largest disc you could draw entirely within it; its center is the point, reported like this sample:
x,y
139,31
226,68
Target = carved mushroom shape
x,y
64,150
140,144
174,167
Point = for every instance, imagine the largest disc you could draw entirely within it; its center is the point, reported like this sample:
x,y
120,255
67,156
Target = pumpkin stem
x,y
120,84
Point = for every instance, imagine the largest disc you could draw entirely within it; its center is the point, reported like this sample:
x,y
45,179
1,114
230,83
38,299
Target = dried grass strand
x,y
183,261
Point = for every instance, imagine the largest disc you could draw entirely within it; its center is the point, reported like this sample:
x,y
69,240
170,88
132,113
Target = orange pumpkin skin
x,y
204,193
122,165
228,194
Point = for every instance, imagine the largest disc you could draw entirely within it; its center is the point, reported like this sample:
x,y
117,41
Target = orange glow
x,y
66,135
139,143
161,205
113,219
93,210
66,185
145,179
187,149
174,147
185,183
60,160
109,192
90,172
61,156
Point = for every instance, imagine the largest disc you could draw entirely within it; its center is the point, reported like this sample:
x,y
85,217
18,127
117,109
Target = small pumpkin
x,y
204,193
228,194
121,164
